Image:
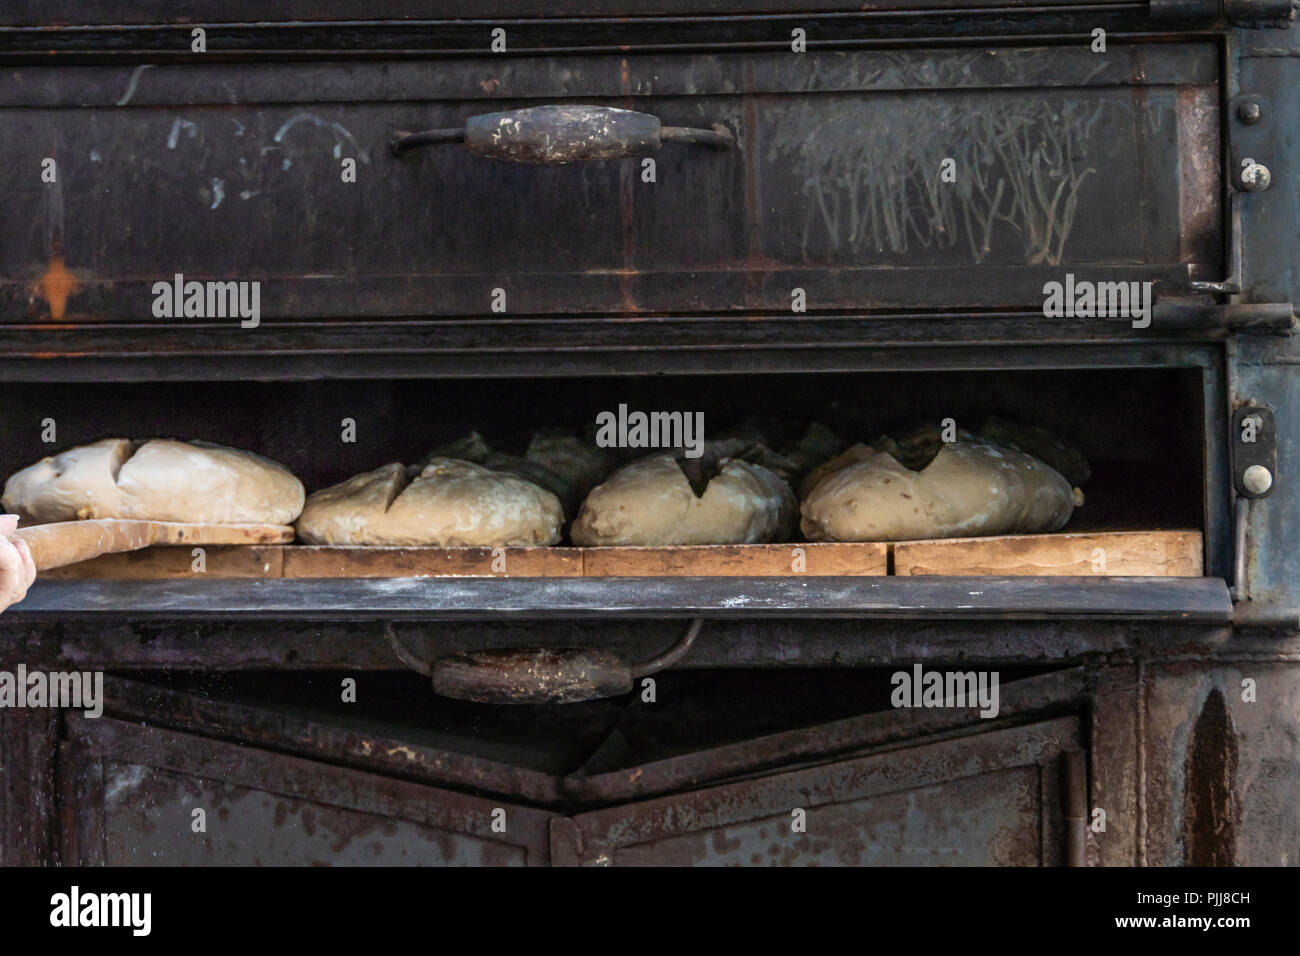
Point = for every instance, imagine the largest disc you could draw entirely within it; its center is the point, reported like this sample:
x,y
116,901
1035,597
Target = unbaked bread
x,y
449,503
650,502
970,488
578,462
159,480
564,465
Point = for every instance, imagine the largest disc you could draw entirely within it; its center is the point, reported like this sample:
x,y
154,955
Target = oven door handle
x,y
564,134
535,675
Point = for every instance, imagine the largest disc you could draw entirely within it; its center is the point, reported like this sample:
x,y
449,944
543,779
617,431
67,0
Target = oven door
x,y
873,180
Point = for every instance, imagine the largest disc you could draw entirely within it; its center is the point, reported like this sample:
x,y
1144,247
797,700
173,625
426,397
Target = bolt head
x,y
1257,479
1260,178
1249,112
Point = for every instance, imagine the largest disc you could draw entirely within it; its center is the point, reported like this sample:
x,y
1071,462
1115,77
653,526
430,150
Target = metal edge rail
x,y
1200,601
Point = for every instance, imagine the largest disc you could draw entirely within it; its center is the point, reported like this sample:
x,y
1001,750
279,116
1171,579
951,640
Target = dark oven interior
x,y
1142,430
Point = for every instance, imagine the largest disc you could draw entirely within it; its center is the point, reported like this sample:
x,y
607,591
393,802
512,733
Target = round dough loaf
x,y
158,480
450,503
650,502
969,489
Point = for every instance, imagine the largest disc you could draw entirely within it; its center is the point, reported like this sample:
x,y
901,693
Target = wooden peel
x,y
68,542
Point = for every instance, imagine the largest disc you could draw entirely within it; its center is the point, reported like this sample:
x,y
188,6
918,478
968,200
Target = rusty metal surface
x,y
596,780
393,28
886,809
28,821
562,134
159,11
459,762
991,820
262,646
269,808
532,675
148,817
625,765
1176,601
803,201
1222,772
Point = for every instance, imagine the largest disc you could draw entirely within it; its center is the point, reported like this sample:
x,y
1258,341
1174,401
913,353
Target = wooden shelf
x,y
1097,554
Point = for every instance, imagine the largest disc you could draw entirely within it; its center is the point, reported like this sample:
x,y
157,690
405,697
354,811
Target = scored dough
x,y
970,488
450,503
650,502
157,480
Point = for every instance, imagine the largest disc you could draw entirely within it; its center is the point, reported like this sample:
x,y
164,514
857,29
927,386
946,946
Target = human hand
x,y
17,569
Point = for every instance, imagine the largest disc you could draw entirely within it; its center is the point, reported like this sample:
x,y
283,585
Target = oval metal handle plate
x,y
564,134
534,675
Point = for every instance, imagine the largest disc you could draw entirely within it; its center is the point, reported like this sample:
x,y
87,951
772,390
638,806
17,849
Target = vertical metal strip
x,y
1074,795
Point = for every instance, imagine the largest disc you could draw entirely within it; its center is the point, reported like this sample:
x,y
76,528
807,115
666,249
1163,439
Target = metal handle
x,y
564,134
534,675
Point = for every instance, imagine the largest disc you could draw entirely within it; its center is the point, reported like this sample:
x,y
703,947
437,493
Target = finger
x,y
11,574
8,525
29,563
11,562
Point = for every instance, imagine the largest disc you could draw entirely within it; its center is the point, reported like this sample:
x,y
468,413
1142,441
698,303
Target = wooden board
x,y
218,561
1129,553
739,560
1174,554
311,561
60,543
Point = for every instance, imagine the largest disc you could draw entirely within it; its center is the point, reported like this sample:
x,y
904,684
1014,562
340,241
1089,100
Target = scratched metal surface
x,y
221,172
993,798
39,29
991,820
161,11
147,821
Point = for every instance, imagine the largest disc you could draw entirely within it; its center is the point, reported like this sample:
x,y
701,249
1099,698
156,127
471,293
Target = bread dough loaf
x,y
970,488
581,464
849,456
449,503
158,480
650,502
563,465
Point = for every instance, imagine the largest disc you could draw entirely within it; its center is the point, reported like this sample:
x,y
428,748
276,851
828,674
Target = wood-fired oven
x,y
847,216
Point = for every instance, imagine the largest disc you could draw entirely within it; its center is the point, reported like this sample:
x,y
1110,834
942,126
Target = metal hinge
x,y
1250,160
1254,476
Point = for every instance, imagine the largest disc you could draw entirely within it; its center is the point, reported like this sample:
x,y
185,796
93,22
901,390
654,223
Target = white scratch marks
x,y
218,192
315,120
177,125
131,86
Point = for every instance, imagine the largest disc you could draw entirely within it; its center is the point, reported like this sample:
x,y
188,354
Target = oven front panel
x,y
940,179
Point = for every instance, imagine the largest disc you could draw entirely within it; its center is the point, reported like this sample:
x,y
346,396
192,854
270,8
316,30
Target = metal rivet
x,y
1257,479
1260,178
1248,112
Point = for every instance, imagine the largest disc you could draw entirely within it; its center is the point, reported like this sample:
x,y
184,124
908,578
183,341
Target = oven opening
x,y
1142,432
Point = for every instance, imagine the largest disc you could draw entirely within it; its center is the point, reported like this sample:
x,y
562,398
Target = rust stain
x,y
56,286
